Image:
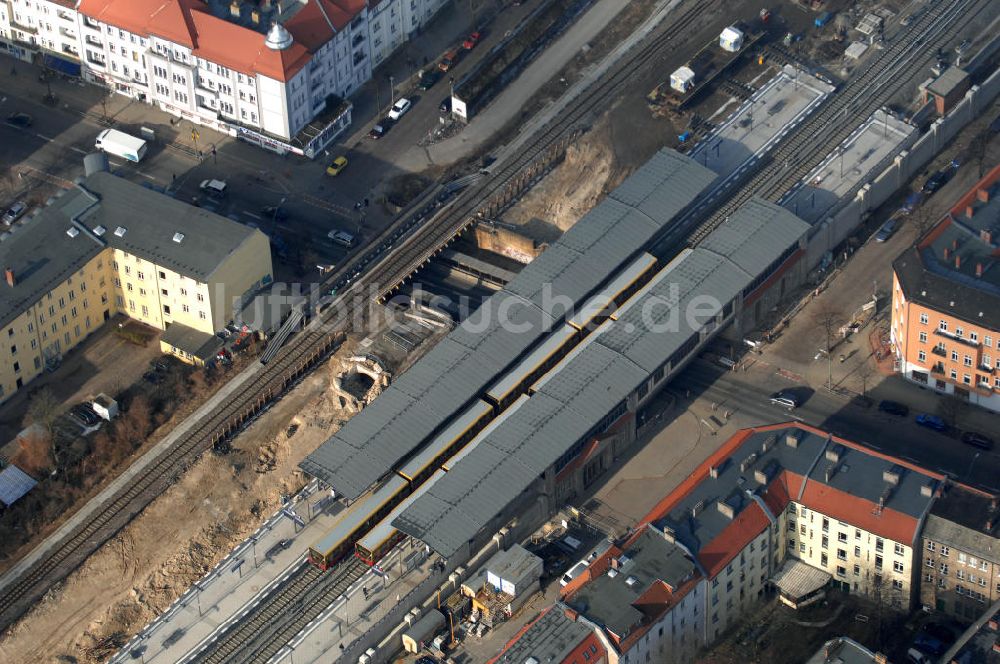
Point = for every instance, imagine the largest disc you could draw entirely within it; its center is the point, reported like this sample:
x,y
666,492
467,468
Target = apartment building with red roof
x,y
267,71
799,508
644,599
946,300
554,637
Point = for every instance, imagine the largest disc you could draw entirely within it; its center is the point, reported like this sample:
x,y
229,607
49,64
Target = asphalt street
x,y
747,394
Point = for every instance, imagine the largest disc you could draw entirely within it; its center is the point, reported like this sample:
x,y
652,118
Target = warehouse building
x,y
98,250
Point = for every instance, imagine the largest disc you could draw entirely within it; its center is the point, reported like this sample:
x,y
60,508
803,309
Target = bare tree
x,y
828,320
978,149
43,408
951,408
865,372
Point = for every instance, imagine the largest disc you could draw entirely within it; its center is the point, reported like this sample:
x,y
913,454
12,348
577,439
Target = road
x,y
747,395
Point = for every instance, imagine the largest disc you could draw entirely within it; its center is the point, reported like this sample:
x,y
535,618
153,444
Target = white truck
x,y
121,144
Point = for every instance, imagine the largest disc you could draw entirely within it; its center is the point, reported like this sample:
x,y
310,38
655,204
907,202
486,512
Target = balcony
x,y
954,337
93,41
938,369
96,60
982,368
939,351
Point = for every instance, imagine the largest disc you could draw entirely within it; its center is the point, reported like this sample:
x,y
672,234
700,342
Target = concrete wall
x,y
507,242
904,166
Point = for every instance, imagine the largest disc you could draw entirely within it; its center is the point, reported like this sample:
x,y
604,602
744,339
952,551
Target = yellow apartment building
x,y
108,246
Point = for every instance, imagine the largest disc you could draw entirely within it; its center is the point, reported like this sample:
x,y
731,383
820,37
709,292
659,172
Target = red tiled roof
x,y
859,512
748,524
186,22
589,642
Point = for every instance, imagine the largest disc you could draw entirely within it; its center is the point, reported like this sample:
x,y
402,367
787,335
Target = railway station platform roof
x,y
508,325
757,125
588,389
859,158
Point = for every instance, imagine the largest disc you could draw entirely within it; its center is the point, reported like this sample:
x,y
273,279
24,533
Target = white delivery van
x,y
121,144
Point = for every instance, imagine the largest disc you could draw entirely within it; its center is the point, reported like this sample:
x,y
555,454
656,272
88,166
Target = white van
x,y
342,238
121,144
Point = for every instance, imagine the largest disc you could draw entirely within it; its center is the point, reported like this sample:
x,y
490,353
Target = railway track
x,y
307,348
273,622
894,68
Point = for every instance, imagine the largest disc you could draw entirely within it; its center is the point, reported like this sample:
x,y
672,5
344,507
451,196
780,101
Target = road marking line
x,y
149,177
251,214
44,137
76,149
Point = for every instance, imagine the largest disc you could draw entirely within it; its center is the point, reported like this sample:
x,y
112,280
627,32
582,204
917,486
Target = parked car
x,y
429,78
940,178
84,415
445,105
888,228
20,120
214,188
931,422
914,656
977,440
399,109
381,129
930,645
14,212
893,408
471,41
786,398
449,60
275,212
336,166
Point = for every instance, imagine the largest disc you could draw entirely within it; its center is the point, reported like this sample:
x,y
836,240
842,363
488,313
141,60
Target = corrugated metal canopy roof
x,y
14,483
508,325
748,238
596,377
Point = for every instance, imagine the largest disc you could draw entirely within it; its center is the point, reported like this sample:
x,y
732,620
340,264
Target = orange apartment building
x,y
946,300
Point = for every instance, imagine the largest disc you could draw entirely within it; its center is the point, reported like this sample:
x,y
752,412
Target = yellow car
x,y
336,166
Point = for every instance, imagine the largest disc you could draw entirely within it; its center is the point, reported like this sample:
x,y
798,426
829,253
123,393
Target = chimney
x,y
954,244
986,236
979,270
958,261
946,253
9,272
969,211
983,195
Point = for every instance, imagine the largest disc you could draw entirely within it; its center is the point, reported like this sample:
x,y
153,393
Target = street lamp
x,y
392,91
274,217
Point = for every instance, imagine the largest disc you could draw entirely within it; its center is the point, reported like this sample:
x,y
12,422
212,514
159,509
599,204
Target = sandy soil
x,y
573,187
141,571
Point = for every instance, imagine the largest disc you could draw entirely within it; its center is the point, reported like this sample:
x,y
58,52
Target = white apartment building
x,y
41,27
262,70
393,22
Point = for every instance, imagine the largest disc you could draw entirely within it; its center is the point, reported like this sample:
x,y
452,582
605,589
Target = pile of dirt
x,y
574,187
